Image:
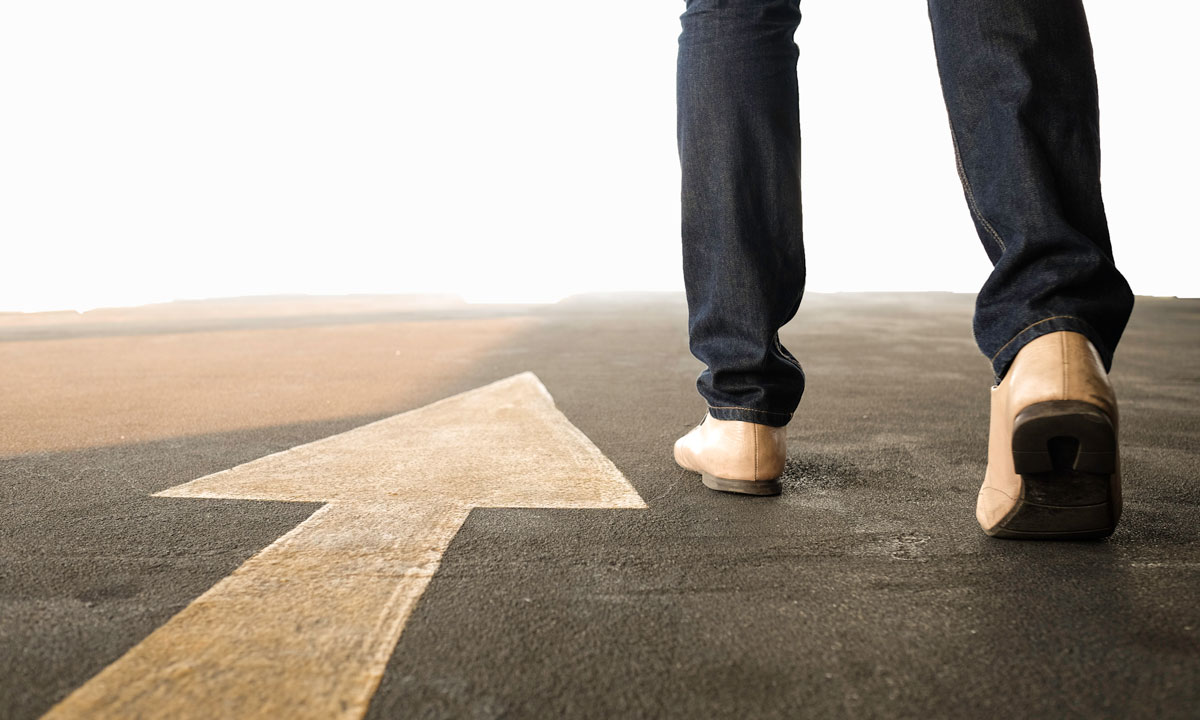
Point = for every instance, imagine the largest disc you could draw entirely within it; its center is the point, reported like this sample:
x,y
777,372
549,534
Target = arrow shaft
x,y
304,629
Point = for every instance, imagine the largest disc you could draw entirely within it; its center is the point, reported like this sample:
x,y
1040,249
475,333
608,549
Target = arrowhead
x,y
504,444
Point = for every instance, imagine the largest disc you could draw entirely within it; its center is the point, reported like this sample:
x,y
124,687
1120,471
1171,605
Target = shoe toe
x,y
686,453
683,454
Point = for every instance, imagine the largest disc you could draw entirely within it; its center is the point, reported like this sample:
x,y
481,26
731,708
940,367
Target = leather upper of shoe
x,y
733,449
1061,365
1001,484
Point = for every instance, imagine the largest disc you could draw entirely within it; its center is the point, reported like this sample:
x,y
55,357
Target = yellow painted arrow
x,y
305,628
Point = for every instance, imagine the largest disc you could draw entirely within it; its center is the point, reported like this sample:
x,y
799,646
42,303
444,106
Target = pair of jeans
x,y
1019,84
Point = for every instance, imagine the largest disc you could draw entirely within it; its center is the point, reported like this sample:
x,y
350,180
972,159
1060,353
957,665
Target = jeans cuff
x,y
1003,358
762,417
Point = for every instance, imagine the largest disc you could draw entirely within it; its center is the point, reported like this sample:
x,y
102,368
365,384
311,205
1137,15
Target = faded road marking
x,y
305,628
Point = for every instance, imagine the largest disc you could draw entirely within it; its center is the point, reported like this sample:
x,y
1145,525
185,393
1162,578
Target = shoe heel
x,y
746,487
1066,454
1063,435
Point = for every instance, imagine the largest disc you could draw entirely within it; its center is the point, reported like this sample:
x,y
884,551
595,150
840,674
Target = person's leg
x,y
743,254
1020,89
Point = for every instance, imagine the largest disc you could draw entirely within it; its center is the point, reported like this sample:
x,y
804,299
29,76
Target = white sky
x,y
153,151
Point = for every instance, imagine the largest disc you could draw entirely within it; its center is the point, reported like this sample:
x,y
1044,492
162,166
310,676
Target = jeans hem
x,y
1004,357
762,417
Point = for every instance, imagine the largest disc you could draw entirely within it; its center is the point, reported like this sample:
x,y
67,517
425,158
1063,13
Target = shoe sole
x,y
745,487
1066,454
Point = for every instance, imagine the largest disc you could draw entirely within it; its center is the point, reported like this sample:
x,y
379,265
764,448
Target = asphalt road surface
x,y
865,590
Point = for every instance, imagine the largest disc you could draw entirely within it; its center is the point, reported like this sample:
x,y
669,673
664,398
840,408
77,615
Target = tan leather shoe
x,y
734,456
1053,468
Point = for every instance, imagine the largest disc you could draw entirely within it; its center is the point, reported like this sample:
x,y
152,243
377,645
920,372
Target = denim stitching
x,y
1019,334
736,407
962,175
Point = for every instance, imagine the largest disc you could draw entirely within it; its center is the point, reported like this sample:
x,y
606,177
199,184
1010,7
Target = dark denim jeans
x,y
1020,89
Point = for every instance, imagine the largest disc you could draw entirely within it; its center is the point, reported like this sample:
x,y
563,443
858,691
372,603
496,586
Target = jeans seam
x,y
737,407
1022,331
789,361
962,176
